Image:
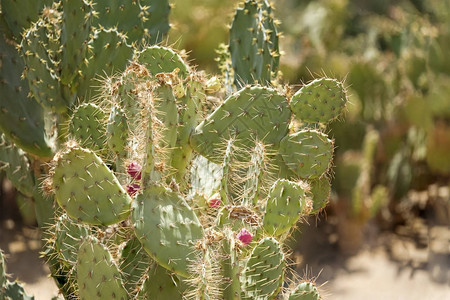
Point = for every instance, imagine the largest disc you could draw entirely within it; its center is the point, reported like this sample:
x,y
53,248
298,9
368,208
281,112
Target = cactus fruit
x,y
134,170
244,236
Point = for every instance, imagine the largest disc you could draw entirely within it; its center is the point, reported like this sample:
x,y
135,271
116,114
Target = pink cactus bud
x,y
244,236
134,170
214,201
132,189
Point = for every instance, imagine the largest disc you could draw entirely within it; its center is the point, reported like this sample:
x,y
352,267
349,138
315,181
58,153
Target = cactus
x,y
8,289
98,277
162,189
253,44
86,189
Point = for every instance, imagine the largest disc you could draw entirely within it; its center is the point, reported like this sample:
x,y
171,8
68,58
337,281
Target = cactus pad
x,y
253,113
76,27
16,166
320,193
285,204
134,263
305,291
322,100
97,275
87,189
308,153
87,126
162,60
167,228
264,271
162,285
68,236
21,118
254,43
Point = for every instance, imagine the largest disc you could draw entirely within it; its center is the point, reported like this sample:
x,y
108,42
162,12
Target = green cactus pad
x,y
253,113
320,193
308,153
107,52
322,100
189,111
123,14
40,48
20,14
3,279
162,60
255,175
87,126
167,228
68,236
76,27
16,166
117,131
205,176
305,291
97,275
21,118
15,291
254,43
264,271
156,19
87,189
134,263
141,21
166,111
285,204
162,285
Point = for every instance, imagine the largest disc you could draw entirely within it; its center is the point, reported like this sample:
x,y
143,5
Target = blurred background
x,y
385,233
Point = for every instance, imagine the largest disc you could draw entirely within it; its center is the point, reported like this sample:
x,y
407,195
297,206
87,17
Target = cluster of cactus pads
x,y
163,192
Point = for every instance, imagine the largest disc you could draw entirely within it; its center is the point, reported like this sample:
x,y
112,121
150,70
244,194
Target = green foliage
x,y
210,211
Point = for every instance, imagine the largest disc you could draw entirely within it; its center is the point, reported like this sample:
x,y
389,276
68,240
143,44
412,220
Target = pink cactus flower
x,y
134,170
214,201
244,236
132,189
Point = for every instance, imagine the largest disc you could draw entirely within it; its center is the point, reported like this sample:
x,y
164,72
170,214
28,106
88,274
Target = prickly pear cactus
x,y
98,277
253,44
158,189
